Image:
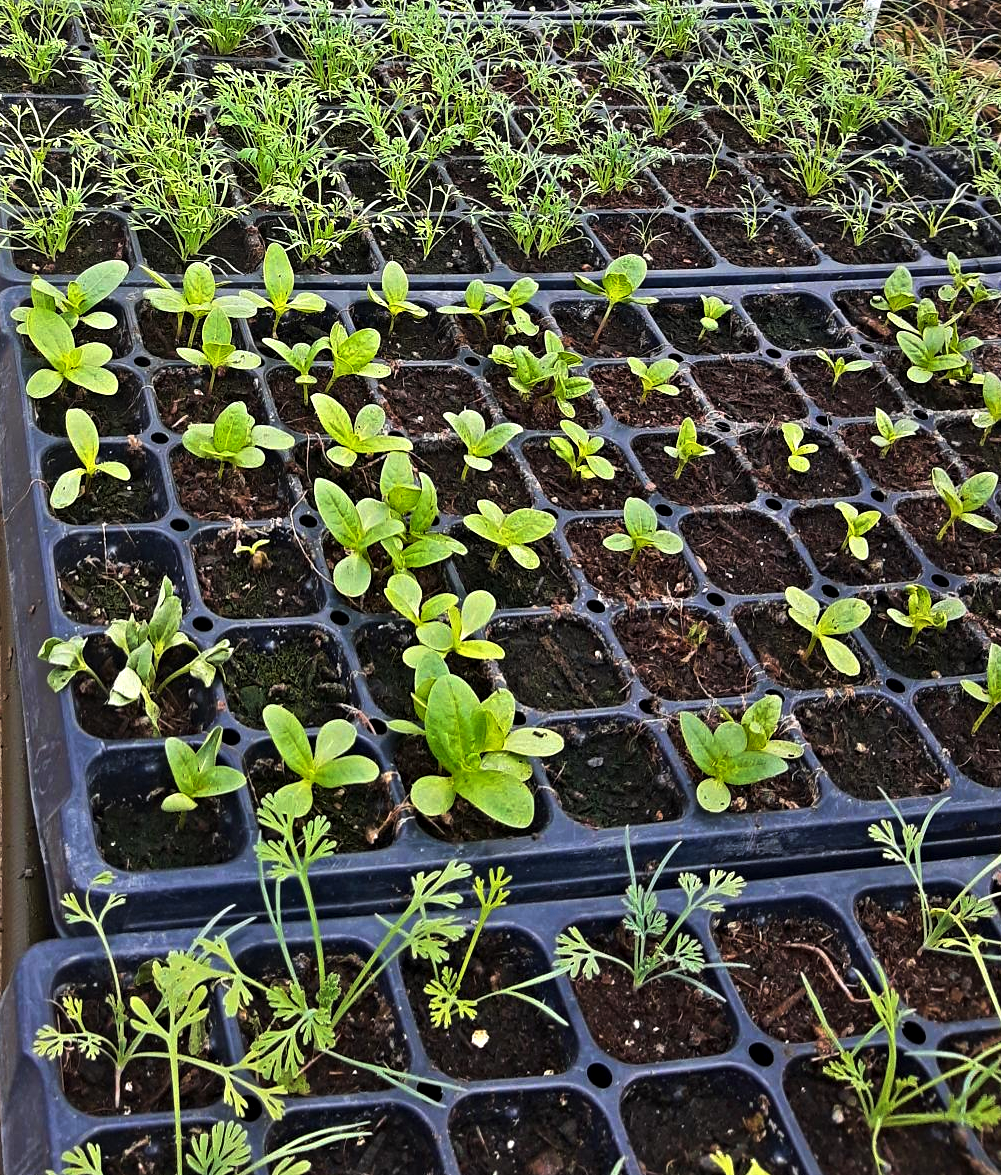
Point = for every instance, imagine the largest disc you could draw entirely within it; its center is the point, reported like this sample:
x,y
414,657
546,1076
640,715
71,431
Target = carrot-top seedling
x,y
859,523
687,447
990,415
82,366
922,613
640,521
840,366
510,532
618,286
327,765
481,442
279,282
726,759
579,450
485,757
964,501
392,296
891,432
505,303
86,442
661,949
359,439
655,378
839,618
713,310
196,774
356,529
990,694
234,439
217,351
300,357
196,298
799,454
76,304
144,643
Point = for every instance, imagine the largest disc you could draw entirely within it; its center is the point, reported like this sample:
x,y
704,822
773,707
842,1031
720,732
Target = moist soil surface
x,y
716,479
774,950
675,1019
951,714
368,1032
654,576
673,246
183,396
612,775
624,334
779,645
135,834
501,484
775,244
680,654
745,553
97,591
621,391
242,587
418,397
240,493
557,664
522,1041
829,475
512,585
749,390
890,560
104,239
301,672
857,393
681,322
396,1145
907,465
107,500
295,413
563,489
540,411
121,415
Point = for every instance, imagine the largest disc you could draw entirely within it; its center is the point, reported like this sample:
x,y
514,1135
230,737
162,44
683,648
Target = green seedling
x,y
326,765
505,303
922,613
641,532
889,433
510,532
579,450
839,618
655,378
991,694
393,295
964,501
196,298
76,304
725,758
357,529
279,282
234,439
217,351
456,634
359,439
726,1165
840,366
618,287
86,442
196,774
990,414
481,442
799,454
761,722
713,310
83,367
355,354
256,555
687,447
935,350
898,293
300,357
859,524
548,373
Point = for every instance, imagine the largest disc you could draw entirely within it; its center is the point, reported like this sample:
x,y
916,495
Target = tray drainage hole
x,y
142,361
230,737
773,503
180,524
339,617
823,421
520,718
202,624
913,1032
920,414
647,706
159,438
878,496
664,510
939,580
830,591
894,685
773,353
430,1090
722,426
599,1075
867,348
378,726
472,361
307,520
676,357
595,606
715,599
760,1053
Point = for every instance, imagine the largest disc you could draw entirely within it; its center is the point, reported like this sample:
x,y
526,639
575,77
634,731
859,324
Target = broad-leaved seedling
x,y
481,442
279,282
891,433
83,366
656,377
218,352
799,454
617,287
580,452
990,415
964,501
359,439
86,442
687,447
235,440
922,613
511,533
838,619
990,693
300,357
641,533
196,774
357,529
713,311
858,524
392,296
196,298
76,304
840,366
726,760
507,304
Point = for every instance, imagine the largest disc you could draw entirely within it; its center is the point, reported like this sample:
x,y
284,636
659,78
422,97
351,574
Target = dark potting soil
x,y
714,479
745,553
939,986
300,671
966,440
502,484
856,306
674,1018
107,500
239,245
103,239
396,1144
432,337
135,834
691,182
183,395
963,550
983,598
681,323
681,654
654,575
296,413
829,475
822,529
575,256
158,331
677,1123
624,334
240,493
369,1032
96,591
120,415
951,714
749,390
622,394
612,775
145,1085
888,248
867,746
418,397
353,256
432,579
532,1133
775,950
359,815
239,588
557,663
522,1041
776,242
779,644
840,1139
455,252
857,393
563,489
794,322
671,246
956,651
512,585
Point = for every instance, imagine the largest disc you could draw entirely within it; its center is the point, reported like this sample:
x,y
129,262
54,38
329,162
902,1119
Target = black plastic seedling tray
x,y
562,855
749,1080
